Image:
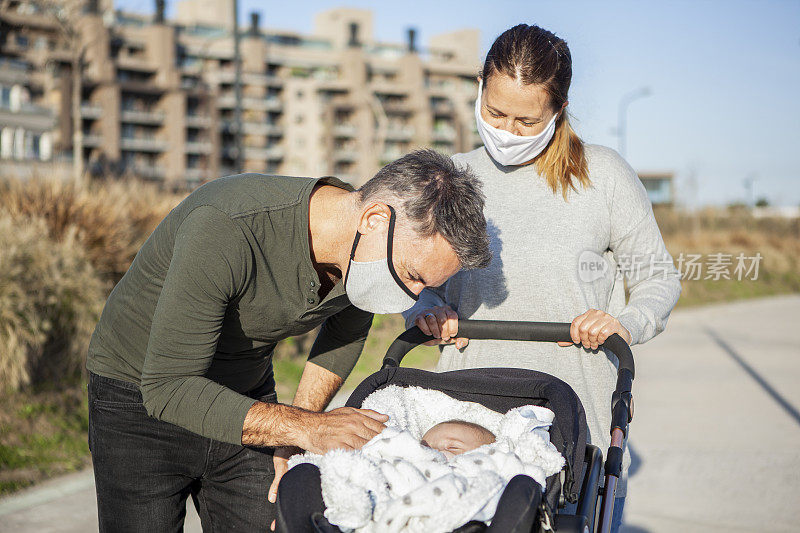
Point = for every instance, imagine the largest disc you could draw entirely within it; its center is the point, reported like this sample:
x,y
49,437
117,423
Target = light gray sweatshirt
x,y
538,243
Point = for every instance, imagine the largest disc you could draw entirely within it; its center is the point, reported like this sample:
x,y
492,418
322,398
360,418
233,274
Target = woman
x,y
562,215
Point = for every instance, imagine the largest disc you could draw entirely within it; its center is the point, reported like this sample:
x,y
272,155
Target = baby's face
x,y
454,438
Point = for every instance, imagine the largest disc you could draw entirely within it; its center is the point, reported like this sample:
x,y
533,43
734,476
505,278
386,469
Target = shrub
x,y
50,300
111,220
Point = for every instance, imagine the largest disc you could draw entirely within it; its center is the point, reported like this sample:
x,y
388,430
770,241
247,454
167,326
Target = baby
x,y
455,437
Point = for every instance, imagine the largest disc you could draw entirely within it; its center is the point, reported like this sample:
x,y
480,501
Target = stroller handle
x,y
506,330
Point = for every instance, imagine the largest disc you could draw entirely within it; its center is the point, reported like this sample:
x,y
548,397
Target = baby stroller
x,y
522,508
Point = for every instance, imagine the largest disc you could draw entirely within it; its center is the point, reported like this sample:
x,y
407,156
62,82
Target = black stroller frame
x,y
534,514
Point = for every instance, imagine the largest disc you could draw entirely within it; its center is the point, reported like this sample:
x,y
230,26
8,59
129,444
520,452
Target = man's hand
x,y
440,322
316,388
346,427
592,328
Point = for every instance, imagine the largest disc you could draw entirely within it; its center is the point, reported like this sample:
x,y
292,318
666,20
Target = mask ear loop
x,y
389,260
352,255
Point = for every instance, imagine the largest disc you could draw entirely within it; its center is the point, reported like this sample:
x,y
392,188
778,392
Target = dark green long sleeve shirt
x,y
223,278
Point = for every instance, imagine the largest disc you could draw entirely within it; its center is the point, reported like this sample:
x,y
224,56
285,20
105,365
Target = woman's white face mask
x,y
507,148
374,286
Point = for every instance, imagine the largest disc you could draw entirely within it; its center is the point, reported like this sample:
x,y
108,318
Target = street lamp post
x,y
237,91
622,117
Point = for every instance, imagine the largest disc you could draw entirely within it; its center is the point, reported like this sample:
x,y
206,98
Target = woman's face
x,y
519,109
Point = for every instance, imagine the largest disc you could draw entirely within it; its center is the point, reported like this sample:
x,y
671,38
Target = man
x,y
181,391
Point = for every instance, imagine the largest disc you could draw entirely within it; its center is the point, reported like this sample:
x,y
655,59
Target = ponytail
x,y
563,162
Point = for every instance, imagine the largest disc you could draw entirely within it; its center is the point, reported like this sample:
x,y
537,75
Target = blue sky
x,y
724,76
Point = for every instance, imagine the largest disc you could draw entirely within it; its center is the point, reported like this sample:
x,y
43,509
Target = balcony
x,y
198,121
444,134
194,175
140,144
345,130
134,63
226,101
13,71
147,171
396,107
442,107
92,111
342,101
262,104
142,117
259,128
139,85
198,147
190,83
268,154
248,78
92,140
391,154
345,155
387,86
399,133
29,117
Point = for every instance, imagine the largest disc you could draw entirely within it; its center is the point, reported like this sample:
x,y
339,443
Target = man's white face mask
x,y
507,148
374,286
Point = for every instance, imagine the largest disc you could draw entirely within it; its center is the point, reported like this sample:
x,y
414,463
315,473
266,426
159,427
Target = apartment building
x,y
158,97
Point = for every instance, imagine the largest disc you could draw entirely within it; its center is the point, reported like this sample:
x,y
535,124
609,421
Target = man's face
x,y
419,261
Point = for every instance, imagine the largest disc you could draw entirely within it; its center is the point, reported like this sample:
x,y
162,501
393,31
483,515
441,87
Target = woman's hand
x,y
280,460
592,328
440,322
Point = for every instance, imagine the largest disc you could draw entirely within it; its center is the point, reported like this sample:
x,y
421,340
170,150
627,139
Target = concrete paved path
x,y
715,439
716,434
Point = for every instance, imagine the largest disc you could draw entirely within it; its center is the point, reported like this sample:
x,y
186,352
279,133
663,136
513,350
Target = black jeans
x,y
145,469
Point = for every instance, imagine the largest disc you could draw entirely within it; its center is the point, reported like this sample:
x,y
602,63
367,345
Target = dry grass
x,y
110,220
734,231
50,299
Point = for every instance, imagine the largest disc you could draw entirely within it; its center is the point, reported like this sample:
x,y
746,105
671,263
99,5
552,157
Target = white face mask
x,y
374,286
507,148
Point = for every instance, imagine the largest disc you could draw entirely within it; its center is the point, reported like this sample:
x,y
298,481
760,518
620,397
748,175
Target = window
x,y
5,96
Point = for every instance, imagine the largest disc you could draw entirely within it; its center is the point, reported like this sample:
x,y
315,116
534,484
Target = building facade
x,y
158,97
660,187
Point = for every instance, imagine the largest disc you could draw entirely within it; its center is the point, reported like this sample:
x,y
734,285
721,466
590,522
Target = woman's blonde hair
x,y
533,55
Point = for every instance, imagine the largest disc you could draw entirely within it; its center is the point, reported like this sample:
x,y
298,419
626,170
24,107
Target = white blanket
x,y
394,483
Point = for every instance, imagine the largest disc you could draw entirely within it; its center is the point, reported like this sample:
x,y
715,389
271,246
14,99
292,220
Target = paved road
x,y
716,438
717,427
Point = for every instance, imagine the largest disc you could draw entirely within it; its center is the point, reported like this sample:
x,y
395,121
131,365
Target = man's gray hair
x,y
437,196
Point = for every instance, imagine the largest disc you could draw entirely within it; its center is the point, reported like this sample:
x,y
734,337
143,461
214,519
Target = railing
x,y
148,117
198,121
345,130
91,111
273,153
142,144
198,147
